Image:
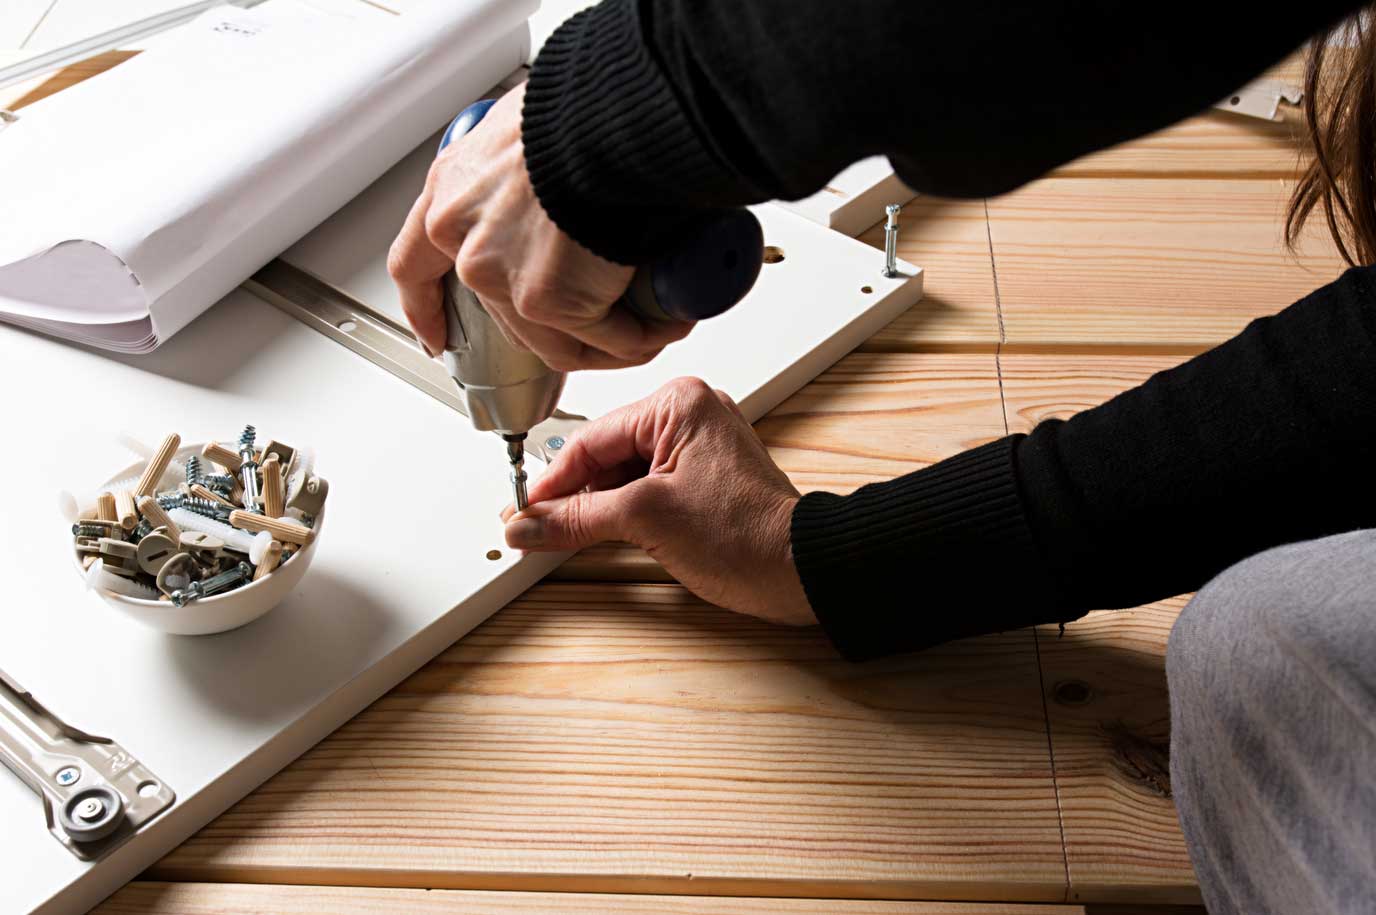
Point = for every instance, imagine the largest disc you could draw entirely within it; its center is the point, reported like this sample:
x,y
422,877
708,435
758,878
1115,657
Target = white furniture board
x,y
399,573
18,19
855,199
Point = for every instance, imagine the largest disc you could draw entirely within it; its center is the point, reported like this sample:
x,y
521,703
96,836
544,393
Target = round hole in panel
x,y
347,326
147,789
494,554
773,254
867,289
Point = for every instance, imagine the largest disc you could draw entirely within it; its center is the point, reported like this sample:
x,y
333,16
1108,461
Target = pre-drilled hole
x,y
773,254
1072,692
494,554
347,326
867,289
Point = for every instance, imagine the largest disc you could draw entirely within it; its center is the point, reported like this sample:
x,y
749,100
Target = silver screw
x,y
248,470
68,776
90,809
214,585
554,442
194,471
891,240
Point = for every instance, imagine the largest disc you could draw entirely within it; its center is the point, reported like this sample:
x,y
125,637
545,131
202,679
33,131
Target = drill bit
x,y
516,454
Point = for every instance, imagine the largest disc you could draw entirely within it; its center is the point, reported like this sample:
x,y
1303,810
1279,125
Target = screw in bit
x,y
516,454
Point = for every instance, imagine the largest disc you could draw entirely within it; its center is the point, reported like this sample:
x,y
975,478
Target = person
x,y
1247,474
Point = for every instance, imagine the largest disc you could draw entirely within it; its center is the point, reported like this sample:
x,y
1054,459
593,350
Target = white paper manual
x,y
132,202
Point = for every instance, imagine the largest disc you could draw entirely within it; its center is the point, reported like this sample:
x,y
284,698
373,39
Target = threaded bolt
x,y
194,472
208,587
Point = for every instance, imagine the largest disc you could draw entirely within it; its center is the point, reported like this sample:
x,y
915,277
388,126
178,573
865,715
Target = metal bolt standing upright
x,y
891,240
248,470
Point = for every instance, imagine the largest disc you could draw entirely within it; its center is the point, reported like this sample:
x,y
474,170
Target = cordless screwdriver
x,y
510,390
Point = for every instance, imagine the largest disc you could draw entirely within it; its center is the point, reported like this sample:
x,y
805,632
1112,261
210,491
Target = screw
x,y
891,240
141,530
169,500
68,776
225,581
554,442
194,472
248,470
203,507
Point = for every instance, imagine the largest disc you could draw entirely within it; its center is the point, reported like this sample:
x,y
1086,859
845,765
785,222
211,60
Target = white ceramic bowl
x,y
220,612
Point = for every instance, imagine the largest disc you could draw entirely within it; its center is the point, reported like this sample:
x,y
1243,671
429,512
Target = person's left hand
x,y
682,474
479,215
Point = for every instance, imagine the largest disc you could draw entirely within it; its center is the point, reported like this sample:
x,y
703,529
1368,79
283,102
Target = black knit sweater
x,y
667,108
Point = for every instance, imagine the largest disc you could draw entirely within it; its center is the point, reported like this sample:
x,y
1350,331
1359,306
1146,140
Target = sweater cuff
x,y
940,554
608,145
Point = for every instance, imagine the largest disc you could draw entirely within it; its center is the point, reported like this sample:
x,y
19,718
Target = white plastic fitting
x,y
99,579
235,539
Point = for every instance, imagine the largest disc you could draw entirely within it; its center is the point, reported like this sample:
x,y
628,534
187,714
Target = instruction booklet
x,y
134,201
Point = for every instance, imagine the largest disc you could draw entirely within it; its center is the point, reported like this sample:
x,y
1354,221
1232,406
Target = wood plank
x,y
950,240
1213,144
870,417
1105,685
147,898
1150,265
615,738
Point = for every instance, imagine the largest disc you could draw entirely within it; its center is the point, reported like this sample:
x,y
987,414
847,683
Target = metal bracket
x,y
1261,99
95,794
381,341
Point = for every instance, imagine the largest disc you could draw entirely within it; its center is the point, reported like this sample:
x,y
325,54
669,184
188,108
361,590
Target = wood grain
x,y
870,417
614,738
1105,685
1146,265
1214,144
146,898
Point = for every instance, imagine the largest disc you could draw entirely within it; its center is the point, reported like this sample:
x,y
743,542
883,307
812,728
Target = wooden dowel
x,y
125,510
271,557
105,507
201,492
158,517
274,498
280,528
157,465
221,455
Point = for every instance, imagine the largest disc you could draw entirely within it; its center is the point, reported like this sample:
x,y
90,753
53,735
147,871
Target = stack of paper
x,y
134,201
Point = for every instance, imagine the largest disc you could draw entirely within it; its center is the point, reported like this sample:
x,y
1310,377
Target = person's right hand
x,y
479,215
681,474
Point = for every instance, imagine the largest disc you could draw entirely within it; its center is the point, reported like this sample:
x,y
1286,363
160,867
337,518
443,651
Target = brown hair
x,y
1340,114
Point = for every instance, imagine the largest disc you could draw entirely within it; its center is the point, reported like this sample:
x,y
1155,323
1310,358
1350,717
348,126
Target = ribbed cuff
x,y
613,157
940,554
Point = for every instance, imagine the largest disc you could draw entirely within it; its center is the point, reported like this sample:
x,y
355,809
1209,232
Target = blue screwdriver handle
x,y
707,274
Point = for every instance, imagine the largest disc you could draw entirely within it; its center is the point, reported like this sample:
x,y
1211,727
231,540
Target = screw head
x,y
67,776
555,442
90,809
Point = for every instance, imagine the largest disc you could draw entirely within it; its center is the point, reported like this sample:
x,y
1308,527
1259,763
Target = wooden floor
x,y
610,744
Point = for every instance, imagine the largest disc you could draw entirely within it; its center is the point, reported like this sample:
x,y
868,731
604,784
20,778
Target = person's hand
x,y
681,474
479,214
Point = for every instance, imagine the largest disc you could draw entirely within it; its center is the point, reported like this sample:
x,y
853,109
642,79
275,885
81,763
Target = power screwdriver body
x,y
510,390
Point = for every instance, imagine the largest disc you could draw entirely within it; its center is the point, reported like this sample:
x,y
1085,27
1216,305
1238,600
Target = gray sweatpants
x,y
1272,674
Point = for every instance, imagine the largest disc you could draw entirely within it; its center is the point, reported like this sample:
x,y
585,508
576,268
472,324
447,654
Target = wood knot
x,y
1141,759
1072,692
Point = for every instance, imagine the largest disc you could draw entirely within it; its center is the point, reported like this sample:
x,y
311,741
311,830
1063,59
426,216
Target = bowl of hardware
x,y
198,539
